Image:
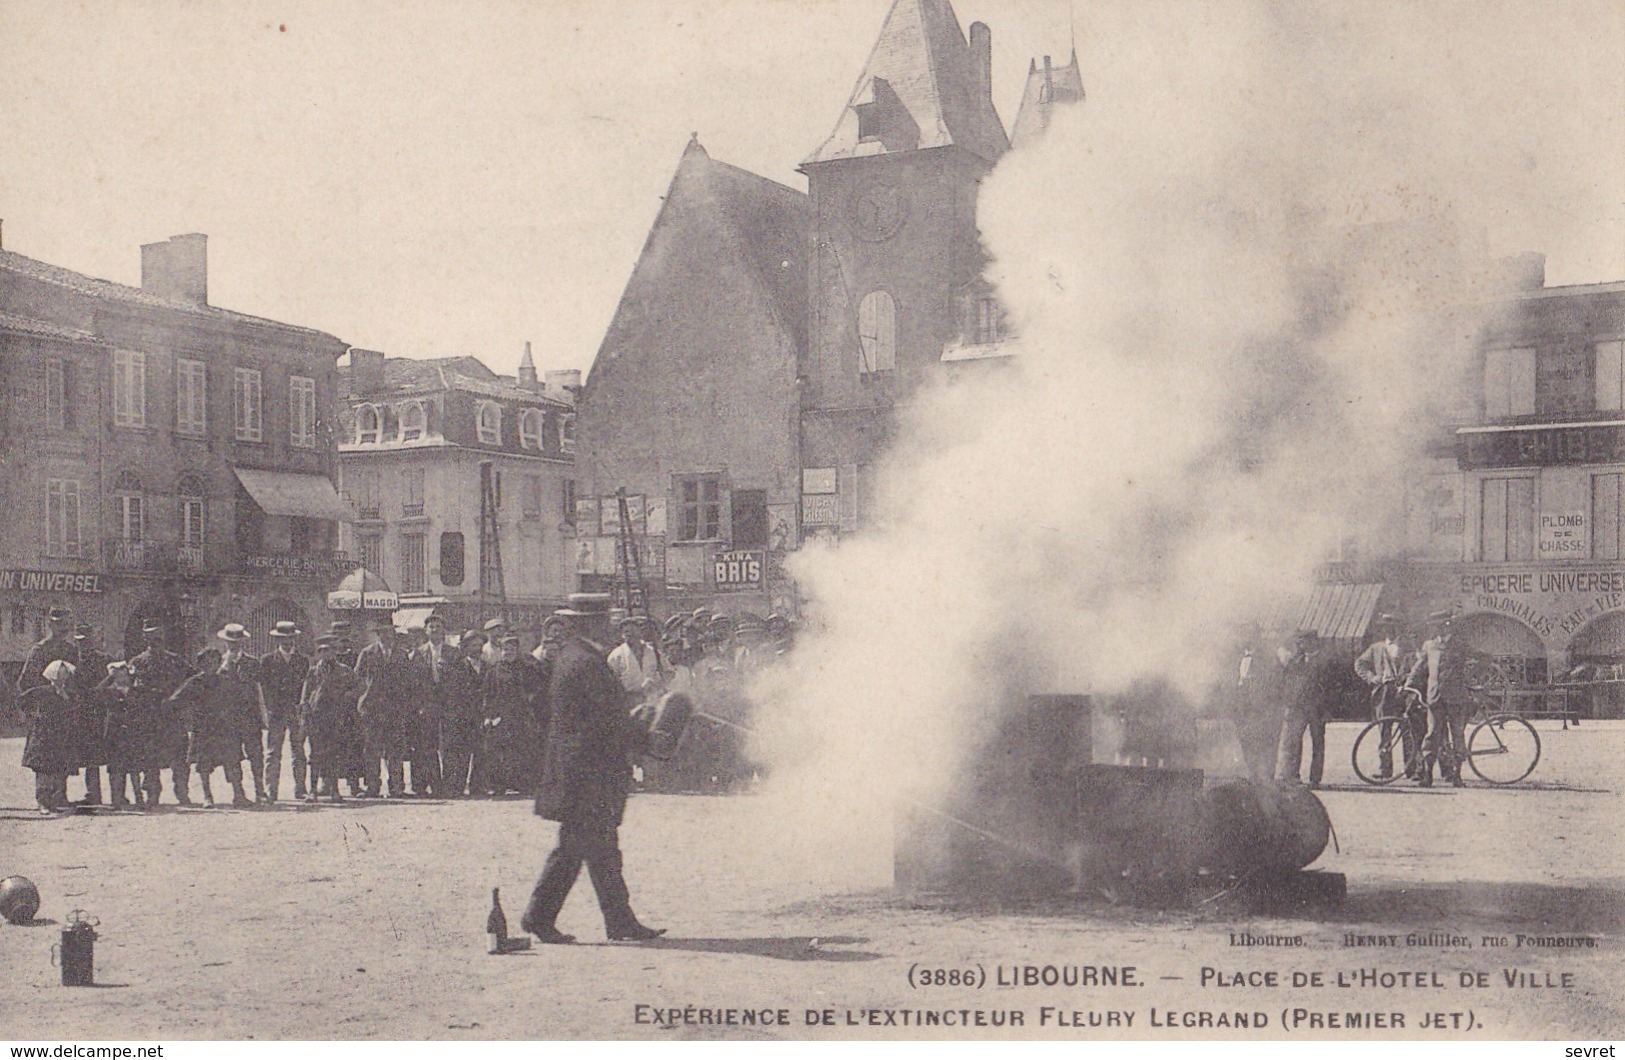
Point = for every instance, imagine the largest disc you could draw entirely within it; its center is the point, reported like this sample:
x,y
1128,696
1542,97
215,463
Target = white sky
x,y
444,178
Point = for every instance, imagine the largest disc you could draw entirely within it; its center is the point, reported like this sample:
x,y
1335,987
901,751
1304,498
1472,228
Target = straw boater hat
x,y
59,614
83,631
495,623
326,640
285,629
151,625
233,632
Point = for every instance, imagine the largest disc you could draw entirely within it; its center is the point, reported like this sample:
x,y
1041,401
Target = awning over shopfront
x,y
412,616
291,493
1336,612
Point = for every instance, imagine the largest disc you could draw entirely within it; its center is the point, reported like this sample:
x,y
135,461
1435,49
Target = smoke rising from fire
x,y
1242,275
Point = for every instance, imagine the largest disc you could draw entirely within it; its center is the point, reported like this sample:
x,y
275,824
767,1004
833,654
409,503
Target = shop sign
x,y
294,565
50,581
1541,446
1547,601
738,571
1563,535
820,509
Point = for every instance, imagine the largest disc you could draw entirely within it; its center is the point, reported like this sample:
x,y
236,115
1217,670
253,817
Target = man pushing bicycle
x,y
1440,677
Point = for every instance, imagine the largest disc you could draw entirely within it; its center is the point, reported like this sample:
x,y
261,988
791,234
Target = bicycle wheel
x,y
1503,749
1375,747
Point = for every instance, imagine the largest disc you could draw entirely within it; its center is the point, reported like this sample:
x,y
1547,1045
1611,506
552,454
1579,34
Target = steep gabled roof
x,y
739,216
117,292
922,86
1046,89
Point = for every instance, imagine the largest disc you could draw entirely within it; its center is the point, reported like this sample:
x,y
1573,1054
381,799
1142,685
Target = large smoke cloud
x,y
1241,274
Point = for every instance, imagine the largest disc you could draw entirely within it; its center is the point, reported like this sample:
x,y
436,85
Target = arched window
x,y
567,433
877,333
489,423
530,429
414,421
369,424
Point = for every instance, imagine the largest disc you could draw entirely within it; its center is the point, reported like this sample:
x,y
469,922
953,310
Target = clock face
x,y
878,211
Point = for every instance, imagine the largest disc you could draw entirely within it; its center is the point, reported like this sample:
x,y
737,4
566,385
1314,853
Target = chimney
x,y
1049,82
177,268
564,384
527,371
366,371
981,57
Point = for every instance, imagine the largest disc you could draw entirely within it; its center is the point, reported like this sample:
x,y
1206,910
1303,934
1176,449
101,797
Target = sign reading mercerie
x,y
737,571
50,581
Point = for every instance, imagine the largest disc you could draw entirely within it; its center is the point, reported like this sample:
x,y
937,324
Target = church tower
x,y
895,261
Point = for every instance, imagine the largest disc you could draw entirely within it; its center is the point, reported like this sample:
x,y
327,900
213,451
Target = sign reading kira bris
x,y
1536,446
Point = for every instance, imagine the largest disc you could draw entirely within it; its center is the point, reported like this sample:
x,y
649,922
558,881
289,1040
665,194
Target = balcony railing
x,y
412,511
127,555
189,558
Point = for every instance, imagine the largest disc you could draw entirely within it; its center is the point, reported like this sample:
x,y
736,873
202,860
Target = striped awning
x,y
1336,612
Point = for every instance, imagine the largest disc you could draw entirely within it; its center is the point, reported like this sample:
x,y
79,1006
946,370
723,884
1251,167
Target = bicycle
x,y
1382,740
1502,748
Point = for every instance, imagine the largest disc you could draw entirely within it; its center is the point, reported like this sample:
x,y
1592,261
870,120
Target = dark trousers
x,y
51,791
285,730
597,844
180,776
1446,739
1388,704
93,785
454,776
1289,756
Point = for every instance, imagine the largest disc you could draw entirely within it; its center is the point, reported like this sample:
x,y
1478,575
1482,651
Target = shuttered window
x,y
129,388
191,390
1507,520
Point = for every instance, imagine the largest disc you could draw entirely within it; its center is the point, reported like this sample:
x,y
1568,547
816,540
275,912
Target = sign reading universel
x,y
50,581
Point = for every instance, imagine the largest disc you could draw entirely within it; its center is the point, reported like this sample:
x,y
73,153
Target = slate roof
x,y
926,65
407,375
761,223
29,326
1047,86
12,262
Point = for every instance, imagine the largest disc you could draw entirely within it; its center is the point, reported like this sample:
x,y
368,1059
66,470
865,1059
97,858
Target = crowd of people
x,y
1293,693
380,712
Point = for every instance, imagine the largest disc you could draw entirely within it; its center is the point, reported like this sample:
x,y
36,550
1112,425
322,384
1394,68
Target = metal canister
x,y
78,950
668,724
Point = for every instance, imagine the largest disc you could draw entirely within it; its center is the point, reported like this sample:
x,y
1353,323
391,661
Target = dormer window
x,y
567,433
488,423
530,429
369,425
414,422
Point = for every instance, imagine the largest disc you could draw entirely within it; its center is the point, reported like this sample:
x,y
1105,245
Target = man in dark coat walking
x,y
585,777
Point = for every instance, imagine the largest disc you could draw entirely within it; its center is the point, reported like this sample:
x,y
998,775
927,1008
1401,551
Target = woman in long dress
x,y
51,752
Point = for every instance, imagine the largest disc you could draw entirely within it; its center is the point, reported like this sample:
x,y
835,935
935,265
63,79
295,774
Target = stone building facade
x,y
413,437
162,456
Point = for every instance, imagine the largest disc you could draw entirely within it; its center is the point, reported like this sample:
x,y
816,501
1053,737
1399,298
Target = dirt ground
x,y
366,921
